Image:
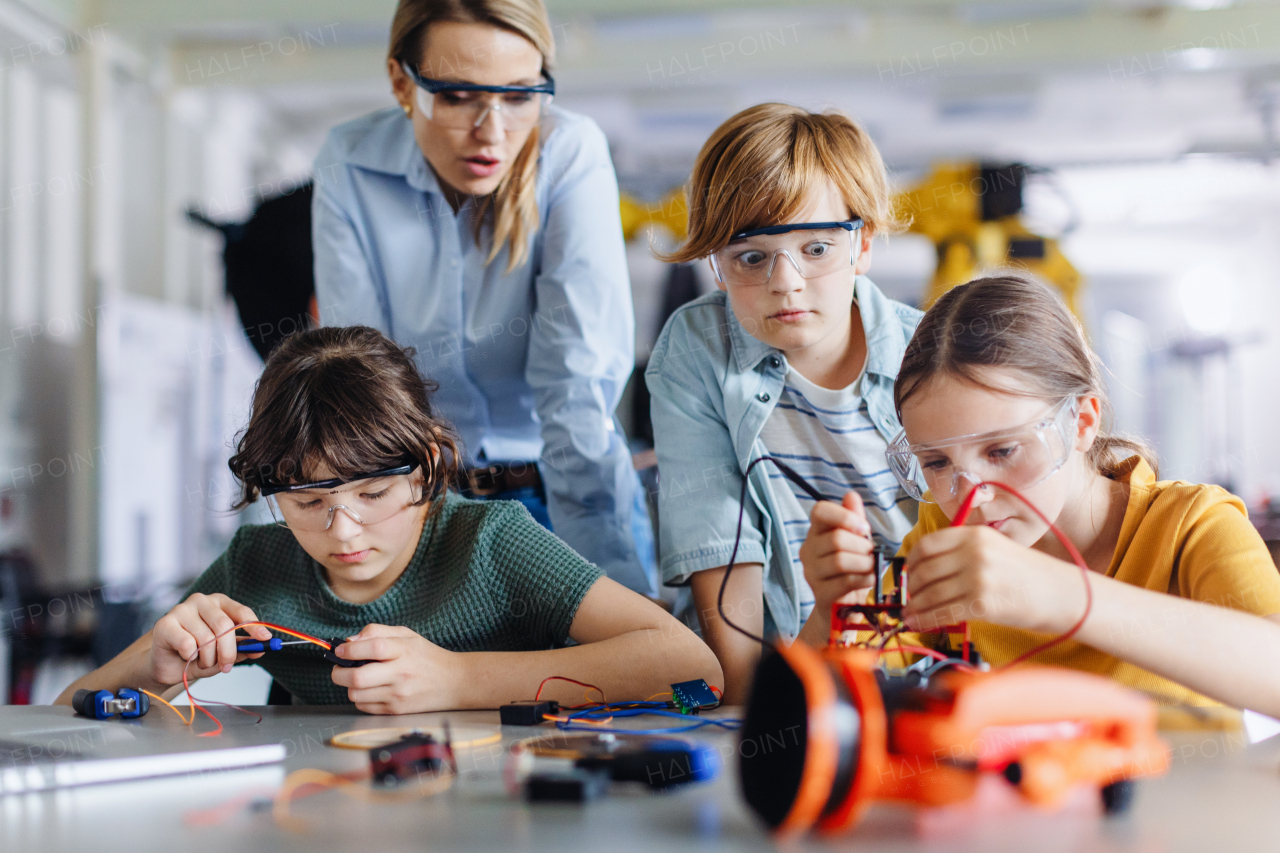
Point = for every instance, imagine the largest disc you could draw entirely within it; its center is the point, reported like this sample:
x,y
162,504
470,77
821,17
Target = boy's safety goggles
x,y
1020,457
464,106
813,248
367,499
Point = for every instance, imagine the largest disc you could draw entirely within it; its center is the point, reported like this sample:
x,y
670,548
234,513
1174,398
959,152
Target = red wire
x,y
963,515
561,678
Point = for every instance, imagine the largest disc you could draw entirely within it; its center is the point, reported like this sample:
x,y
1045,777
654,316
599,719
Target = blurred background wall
x,y
1141,135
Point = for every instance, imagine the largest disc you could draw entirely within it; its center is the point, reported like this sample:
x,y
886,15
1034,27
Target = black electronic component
x,y
526,712
574,786
692,696
414,755
333,658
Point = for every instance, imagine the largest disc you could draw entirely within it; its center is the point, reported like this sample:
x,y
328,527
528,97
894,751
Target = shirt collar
x,y
390,147
886,339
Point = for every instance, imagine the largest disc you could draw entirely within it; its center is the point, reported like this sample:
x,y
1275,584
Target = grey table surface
x,y
1220,795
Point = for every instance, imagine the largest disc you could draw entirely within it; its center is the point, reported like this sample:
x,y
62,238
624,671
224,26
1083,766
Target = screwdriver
x,y
272,645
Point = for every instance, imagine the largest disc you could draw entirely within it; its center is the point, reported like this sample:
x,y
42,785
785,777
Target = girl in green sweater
x,y
459,603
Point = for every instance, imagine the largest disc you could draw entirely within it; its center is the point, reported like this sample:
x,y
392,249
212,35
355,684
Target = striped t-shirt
x,y
829,439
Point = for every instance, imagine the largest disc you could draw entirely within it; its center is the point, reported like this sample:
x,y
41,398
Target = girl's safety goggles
x,y
367,499
1019,457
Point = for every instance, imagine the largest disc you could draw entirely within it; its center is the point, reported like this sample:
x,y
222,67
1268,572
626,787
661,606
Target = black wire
x,y
737,538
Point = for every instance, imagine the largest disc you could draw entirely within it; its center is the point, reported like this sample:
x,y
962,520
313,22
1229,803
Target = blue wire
x,y
732,725
635,709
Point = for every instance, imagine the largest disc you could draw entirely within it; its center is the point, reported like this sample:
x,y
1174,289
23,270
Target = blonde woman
x,y
479,224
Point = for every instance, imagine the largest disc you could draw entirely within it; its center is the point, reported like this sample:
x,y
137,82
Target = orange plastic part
x,y
1064,728
820,758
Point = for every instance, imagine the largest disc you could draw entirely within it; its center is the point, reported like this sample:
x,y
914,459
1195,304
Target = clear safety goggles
x,y
813,248
464,106
368,499
1020,457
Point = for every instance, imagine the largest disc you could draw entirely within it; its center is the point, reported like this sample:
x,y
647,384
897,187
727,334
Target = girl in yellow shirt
x,y
999,385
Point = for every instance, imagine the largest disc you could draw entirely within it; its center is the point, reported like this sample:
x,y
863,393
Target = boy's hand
x,y
973,572
412,675
837,552
192,624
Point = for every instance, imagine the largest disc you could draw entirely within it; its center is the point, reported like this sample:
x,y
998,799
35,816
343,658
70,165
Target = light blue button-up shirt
x,y
531,364
712,387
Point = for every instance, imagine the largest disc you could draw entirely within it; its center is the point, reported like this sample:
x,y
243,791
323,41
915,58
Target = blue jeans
x,y
535,500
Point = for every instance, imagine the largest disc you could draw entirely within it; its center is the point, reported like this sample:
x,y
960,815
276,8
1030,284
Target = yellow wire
x,y
656,695
181,716
343,740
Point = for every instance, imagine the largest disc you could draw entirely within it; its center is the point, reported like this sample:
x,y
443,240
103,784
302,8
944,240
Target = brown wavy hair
x,y
512,208
1012,321
347,398
759,167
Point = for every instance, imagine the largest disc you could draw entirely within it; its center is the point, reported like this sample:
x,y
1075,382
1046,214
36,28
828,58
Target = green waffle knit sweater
x,y
485,577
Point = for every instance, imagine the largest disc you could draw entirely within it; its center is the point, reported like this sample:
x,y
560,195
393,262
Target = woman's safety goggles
x,y
464,106
1019,458
368,499
813,248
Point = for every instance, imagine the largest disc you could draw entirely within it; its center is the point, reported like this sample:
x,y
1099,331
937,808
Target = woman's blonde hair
x,y
760,166
512,207
1012,321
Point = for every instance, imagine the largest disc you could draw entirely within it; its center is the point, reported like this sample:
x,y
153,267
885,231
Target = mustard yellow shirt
x,y
1193,541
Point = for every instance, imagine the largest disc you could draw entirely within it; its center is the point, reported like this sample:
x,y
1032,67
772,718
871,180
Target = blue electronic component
x,y
659,763
102,705
691,696
703,760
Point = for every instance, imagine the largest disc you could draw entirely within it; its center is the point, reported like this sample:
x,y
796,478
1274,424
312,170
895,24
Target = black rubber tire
x,y
1118,796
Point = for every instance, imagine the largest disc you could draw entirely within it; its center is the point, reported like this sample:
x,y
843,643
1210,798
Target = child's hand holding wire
x,y
189,630
974,572
837,552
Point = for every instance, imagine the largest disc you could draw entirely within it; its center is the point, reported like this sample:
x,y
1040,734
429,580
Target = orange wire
x,y
195,704
181,716
553,718
284,630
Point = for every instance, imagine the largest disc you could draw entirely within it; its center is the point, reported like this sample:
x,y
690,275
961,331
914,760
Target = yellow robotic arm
x,y
971,214
969,211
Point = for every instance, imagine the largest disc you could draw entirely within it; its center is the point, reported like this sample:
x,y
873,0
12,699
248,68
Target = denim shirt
x,y
713,387
531,363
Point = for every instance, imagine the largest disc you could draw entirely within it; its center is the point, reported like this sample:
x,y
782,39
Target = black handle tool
x,y
332,657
